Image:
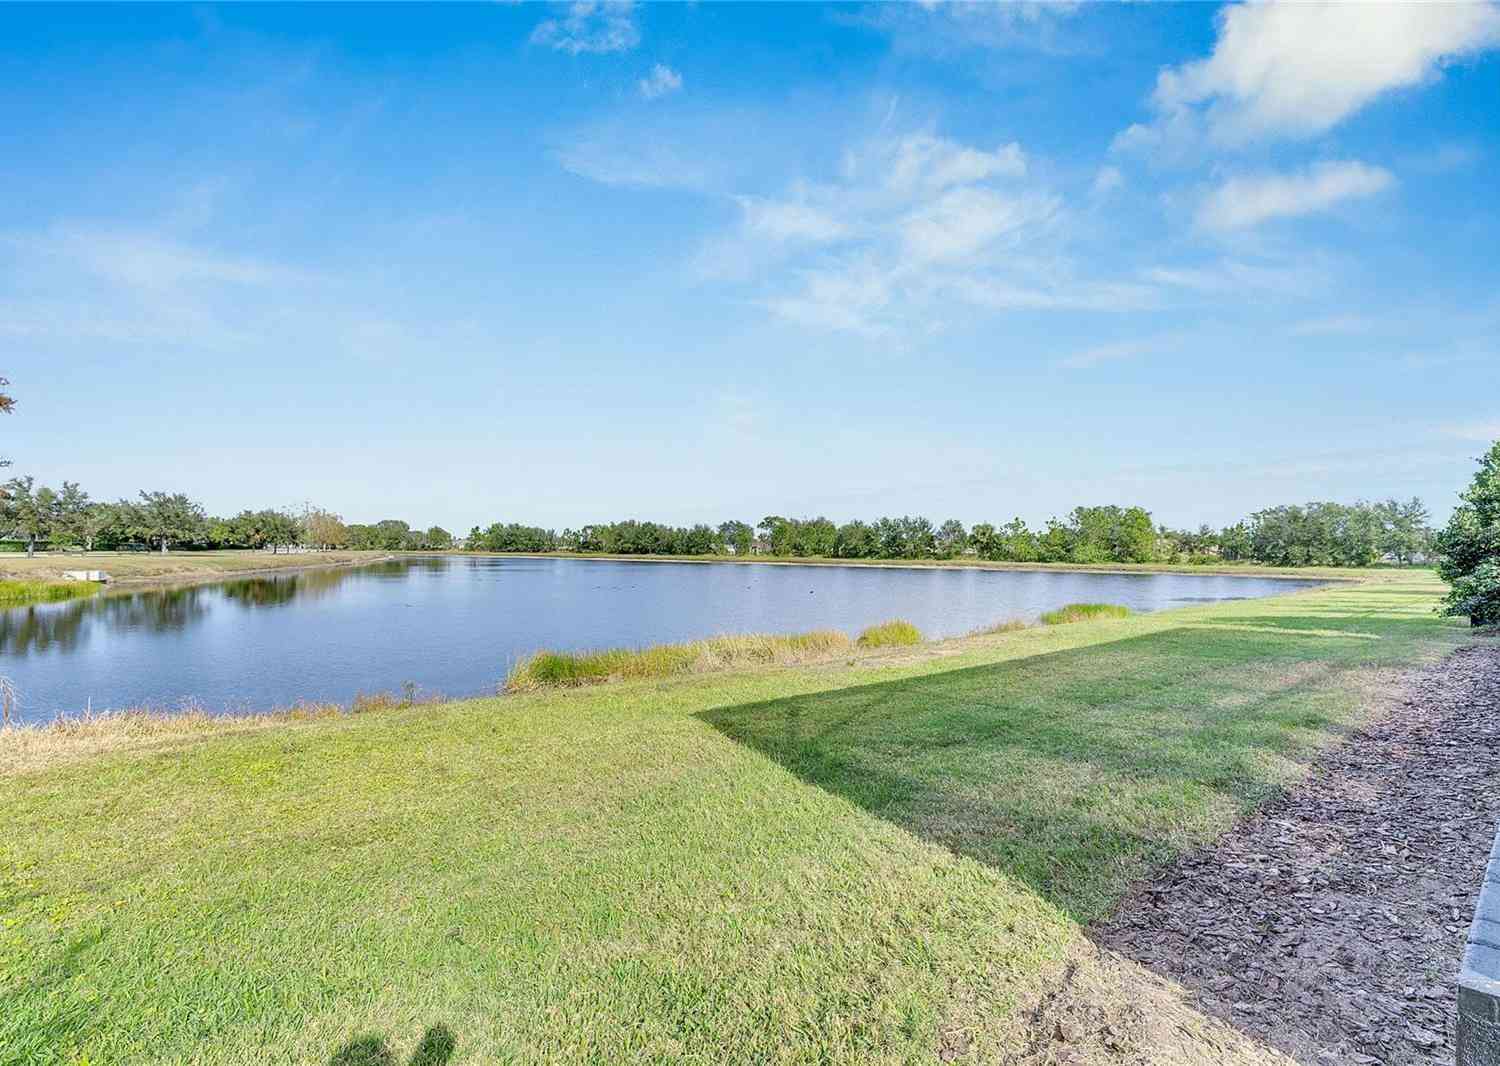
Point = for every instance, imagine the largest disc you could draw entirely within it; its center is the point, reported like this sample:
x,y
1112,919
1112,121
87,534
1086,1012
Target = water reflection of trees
x,y
64,626
275,590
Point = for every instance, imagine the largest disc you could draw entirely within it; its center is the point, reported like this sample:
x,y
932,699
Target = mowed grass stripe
x,y
820,863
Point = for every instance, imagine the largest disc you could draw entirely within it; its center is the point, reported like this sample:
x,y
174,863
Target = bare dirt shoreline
x,y
1326,927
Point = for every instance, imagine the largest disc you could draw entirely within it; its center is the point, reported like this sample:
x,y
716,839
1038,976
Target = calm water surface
x,y
454,625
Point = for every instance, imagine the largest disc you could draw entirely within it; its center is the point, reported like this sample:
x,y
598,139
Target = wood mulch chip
x,y
1329,925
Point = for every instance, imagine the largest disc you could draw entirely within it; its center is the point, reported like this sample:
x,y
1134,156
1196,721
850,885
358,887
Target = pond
x,y
455,624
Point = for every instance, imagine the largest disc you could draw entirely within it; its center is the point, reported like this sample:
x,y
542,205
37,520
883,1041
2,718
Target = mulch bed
x,y
1330,924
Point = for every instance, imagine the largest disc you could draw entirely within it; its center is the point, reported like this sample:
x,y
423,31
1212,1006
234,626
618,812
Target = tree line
x,y
1312,534
39,516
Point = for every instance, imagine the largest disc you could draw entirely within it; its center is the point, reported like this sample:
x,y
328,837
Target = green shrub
x,y
1084,612
896,633
1477,595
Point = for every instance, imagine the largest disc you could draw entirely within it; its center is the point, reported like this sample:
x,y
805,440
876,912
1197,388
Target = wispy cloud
x,y
662,81
935,27
1482,432
1242,202
1100,354
1332,326
1287,69
591,27
1107,180
146,260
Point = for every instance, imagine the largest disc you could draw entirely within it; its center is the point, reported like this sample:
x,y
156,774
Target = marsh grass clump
x,y
893,634
1084,612
1010,625
557,669
21,593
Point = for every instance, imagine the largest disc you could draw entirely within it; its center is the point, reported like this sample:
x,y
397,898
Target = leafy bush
x,y
1470,547
892,634
1084,612
1477,594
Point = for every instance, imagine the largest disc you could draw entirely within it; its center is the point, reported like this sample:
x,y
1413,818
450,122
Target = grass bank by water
x,y
132,567
1084,612
896,634
831,862
21,593
555,669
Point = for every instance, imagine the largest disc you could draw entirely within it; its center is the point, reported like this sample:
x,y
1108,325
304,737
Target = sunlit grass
x,y
844,862
21,593
893,634
1084,612
554,669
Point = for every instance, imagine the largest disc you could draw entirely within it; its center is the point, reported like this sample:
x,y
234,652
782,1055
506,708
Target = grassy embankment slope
x,y
173,566
842,862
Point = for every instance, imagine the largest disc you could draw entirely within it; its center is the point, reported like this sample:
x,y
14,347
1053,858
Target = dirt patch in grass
x,y
1104,1008
1329,925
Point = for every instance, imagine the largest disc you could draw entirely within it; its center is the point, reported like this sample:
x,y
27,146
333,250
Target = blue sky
x,y
563,263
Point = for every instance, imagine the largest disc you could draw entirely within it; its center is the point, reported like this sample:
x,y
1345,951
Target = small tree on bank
x,y
163,519
1470,547
31,513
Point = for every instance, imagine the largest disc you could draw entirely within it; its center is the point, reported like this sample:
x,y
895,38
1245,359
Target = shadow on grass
x,y
1073,771
436,1048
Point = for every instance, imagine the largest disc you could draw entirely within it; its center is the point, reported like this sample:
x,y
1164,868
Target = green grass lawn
x,y
840,862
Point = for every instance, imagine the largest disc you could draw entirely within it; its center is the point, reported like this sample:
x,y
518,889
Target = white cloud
x,y
1332,326
1480,432
1288,69
1247,201
962,221
1108,180
1114,353
944,29
923,161
596,27
660,82
913,230
789,220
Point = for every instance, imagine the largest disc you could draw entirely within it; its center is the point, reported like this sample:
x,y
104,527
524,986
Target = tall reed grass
x,y
1084,612
556,669
893,634
21,593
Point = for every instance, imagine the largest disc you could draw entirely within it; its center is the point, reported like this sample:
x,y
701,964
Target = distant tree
x,y
854,540
164,519
438,539
1404,531
1015,543
99,523
736,536
72,511
283,529
324,529
951,539
390,534
1470,547
1234,542
31,512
